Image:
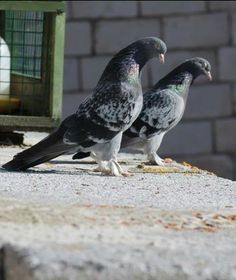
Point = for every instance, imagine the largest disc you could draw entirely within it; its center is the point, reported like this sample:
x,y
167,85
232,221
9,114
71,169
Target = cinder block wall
x,y
95,30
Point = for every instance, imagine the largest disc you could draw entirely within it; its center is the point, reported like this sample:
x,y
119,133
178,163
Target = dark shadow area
x,y
72,162
9,138
2,264
56,172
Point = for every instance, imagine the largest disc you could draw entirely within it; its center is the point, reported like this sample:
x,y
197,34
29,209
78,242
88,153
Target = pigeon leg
x,y
155,159
110,167
106,157
121,171
115,169
102,167
151,147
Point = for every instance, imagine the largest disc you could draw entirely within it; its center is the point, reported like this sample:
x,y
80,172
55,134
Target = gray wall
x,y
95,30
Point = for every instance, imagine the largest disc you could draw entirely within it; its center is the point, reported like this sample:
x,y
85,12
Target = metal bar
x,y
46,63
43,6
23,66
57,65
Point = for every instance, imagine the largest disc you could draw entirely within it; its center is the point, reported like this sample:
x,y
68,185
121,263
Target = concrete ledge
x,y
62,220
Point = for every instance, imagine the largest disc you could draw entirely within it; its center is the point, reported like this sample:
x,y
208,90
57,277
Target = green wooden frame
x,y
41,6
57,65
57,8
27,123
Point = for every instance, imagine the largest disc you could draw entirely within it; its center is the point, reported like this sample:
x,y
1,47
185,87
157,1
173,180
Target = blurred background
x,y
95,30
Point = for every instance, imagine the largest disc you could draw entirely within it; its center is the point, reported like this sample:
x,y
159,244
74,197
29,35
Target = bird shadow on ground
x,y
56,172
71,162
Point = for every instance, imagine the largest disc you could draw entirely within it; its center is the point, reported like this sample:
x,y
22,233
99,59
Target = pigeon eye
x,y
206,66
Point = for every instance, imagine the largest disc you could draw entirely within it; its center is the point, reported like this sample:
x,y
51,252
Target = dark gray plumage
x,y
98,124
163,108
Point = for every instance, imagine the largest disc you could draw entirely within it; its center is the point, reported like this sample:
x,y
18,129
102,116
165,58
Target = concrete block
x,y
111,258
209,101
196,31
234,98
171,7
111,36
227,62
68,10
71,74
226,135
71,102
234,28
221,165
104,9
188,139
92,69
222,5
174,58
77,38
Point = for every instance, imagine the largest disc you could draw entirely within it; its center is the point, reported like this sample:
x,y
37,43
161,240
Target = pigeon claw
x,y
112,168
153,158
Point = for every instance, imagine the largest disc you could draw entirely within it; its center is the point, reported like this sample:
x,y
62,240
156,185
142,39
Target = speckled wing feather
x,y
110,110
161,111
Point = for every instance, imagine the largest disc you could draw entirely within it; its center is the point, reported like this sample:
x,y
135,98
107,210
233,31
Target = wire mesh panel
x,y
26,34
31,62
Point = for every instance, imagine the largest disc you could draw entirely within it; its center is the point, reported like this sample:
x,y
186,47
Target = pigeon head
x,y
197,66
187,71
141,51
148,48
130,60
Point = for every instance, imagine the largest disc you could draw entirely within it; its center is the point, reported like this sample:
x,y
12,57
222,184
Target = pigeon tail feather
x,y
81,155
47,149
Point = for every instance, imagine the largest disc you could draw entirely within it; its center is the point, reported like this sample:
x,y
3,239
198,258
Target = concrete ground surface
x,y
63,220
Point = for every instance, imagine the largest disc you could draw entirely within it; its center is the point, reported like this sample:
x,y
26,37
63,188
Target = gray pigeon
x,y
98,124
163,108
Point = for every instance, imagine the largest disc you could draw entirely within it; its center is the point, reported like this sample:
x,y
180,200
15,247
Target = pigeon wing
x,y
161,111
102,116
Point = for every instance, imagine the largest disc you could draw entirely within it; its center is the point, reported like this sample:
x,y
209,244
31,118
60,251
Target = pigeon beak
x,y
209,75
162,58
